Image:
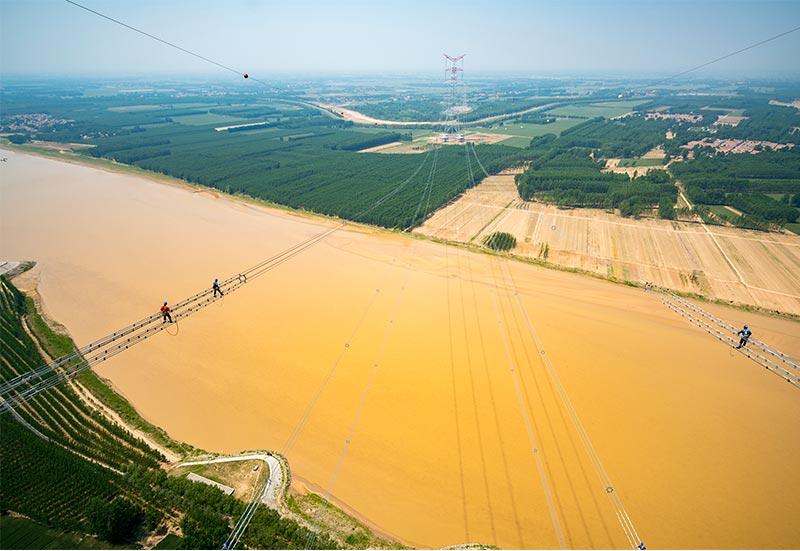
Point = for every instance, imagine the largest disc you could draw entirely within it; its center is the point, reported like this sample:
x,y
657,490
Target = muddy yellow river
x,y
402,377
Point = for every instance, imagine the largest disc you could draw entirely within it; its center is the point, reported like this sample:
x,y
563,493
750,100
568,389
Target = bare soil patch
x,y
729,120
381,147
243,476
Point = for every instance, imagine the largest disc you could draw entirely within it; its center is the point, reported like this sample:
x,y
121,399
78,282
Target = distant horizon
x,y
222,77
606,38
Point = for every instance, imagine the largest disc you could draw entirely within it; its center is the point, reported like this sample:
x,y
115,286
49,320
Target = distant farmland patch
x,y
723,212
605,109
203,119
243,127
135,108
143,108
517,141
640,162
522,132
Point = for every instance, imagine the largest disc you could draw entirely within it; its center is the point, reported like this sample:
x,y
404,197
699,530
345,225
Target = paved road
x,y
272,490
358,117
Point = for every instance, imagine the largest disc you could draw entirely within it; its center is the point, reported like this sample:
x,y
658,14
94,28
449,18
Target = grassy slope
x,y
345,529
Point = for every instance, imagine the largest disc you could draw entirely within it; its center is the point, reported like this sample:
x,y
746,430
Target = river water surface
x,y
401,376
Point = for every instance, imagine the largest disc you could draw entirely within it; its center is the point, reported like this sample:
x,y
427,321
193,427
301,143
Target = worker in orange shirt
x,y
165,313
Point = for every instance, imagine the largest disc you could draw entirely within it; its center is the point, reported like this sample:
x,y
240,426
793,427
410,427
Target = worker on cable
x,y
165,313
744,335
216,288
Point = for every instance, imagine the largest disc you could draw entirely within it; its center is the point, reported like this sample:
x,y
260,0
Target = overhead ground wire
x,y
726,56
623,518
153,37
241,526
378,358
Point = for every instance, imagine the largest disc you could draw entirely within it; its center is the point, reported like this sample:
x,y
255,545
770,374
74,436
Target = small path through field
x,y
713,237
685,199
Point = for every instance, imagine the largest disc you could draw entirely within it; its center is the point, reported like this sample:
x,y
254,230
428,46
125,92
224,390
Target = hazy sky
x,y
305,36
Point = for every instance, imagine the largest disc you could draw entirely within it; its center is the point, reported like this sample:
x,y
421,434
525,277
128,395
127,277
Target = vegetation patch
x,y
723,213
567,176
640,162
345,529
500,241
321,171
765,187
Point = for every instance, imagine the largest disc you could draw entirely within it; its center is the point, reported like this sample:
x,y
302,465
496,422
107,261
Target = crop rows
x,y
308,161
29,465
59,413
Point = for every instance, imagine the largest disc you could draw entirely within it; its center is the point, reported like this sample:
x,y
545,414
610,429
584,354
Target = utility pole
x,y
456,100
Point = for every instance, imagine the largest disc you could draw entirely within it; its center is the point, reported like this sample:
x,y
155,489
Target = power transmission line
x,y
170,44
726,56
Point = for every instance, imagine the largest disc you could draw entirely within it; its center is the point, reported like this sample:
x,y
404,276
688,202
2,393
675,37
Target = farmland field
x,y
516,141
676,255
135,108
170,542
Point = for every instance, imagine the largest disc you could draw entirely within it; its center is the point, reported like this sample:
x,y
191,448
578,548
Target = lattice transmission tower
x,y
456,100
